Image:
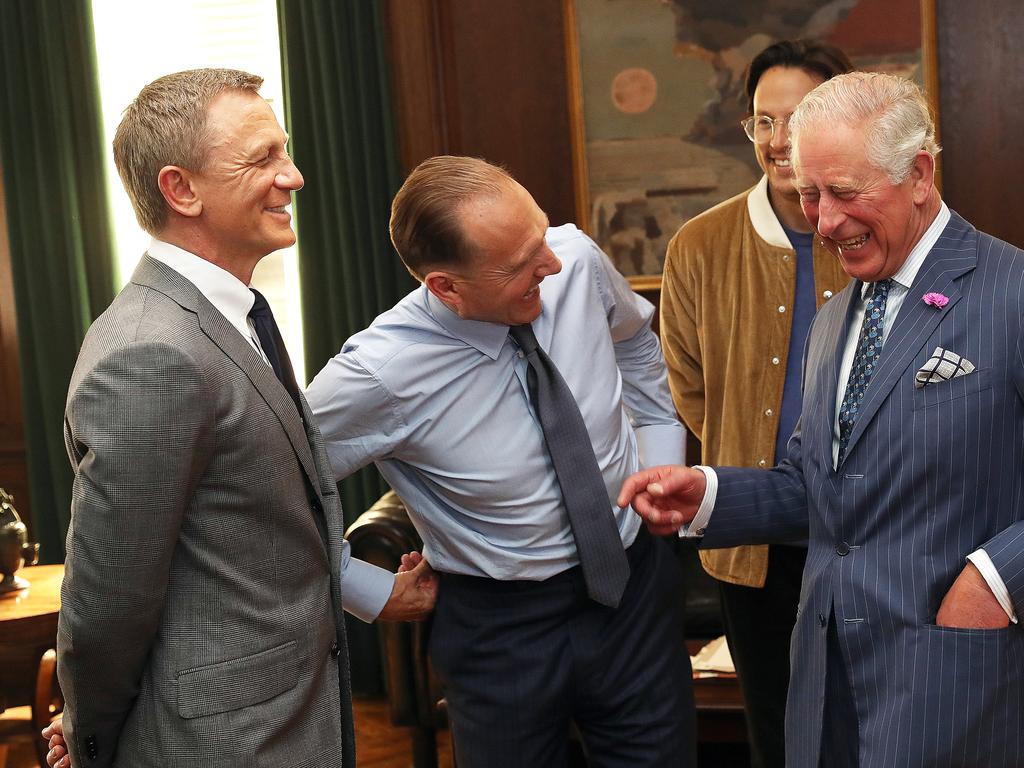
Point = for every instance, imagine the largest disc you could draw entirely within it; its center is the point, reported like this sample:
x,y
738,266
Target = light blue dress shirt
x,y
441,405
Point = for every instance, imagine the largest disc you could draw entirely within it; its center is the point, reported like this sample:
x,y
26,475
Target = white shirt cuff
x,y
659,444
995,582
365,588
700,521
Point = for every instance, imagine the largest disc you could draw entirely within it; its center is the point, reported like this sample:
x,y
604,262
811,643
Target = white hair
x,y
893,111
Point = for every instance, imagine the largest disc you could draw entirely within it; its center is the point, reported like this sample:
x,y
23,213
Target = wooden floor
x,y
380,744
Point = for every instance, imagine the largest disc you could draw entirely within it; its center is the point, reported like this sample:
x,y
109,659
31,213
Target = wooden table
x,y
28,628
719,701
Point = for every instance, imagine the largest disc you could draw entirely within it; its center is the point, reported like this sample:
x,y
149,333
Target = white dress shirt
x,y
902,281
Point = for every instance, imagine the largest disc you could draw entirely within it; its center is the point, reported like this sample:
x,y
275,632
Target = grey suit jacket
x,y
930,475
201,619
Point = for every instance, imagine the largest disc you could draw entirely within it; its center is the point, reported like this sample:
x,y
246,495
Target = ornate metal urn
x,y
15,549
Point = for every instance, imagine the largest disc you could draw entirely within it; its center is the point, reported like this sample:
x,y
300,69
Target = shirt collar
x,y
229,295
487,338
906,274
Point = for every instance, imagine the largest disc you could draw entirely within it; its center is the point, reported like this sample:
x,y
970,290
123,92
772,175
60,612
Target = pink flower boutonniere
x,y
937,300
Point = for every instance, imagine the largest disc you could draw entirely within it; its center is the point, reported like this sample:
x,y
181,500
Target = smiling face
x,y
247,181
778,92
508,259
870,223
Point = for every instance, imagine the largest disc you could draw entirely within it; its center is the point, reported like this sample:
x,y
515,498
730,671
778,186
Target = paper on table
x,y
714,657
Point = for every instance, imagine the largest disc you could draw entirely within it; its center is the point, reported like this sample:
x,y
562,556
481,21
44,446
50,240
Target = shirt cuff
x,y
995,582
700,521
365,588
660,444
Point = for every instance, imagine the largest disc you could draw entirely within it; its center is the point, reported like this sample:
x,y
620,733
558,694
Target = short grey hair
x,y
166,124
897,121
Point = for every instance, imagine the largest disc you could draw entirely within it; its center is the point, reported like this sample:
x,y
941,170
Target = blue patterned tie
x,y
864,363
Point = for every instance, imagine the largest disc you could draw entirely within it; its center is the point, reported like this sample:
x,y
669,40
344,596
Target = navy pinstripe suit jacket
x,y
930,475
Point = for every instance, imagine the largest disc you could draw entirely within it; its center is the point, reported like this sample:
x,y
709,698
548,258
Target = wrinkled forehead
x,y
822,146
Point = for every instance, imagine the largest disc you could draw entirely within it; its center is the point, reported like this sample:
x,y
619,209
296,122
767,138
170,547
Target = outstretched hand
x,y
665,497
415,591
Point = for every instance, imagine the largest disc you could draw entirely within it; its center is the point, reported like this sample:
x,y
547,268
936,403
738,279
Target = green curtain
x,y
58,225
338,108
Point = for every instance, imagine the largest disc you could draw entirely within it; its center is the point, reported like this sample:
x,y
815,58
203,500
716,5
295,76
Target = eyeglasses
x,y
761,128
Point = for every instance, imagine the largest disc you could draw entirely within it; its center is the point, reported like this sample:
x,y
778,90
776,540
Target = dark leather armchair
x,y
381,535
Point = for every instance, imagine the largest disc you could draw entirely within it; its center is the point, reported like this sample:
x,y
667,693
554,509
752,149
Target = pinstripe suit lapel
x,y
219,330
954,255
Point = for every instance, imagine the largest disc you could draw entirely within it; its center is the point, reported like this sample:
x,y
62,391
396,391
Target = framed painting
x,y
656,91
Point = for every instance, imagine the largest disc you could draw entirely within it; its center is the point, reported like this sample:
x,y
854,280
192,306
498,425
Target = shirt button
x,y
768,412
762,463
827,294
520,354
782,309
775,361
785,257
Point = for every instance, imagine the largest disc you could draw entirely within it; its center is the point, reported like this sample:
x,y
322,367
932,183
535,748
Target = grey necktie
x,y
602,558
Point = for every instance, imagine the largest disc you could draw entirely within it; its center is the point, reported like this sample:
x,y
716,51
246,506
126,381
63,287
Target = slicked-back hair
x,y
812,56
892,110
425,214
166,124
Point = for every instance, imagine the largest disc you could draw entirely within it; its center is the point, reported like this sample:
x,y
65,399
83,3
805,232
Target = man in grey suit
x,y
201,620
906,468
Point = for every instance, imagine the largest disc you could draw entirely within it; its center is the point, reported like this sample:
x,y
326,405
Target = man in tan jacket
x,y
742,283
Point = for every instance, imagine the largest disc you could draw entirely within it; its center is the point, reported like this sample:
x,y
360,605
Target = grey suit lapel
x,y
218,329
954,255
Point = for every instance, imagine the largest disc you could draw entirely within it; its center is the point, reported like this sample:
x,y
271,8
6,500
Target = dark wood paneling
x,y
13,470
980,93
485,78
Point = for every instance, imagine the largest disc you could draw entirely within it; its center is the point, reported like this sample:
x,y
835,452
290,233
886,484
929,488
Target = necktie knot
x,y
260,307
523,336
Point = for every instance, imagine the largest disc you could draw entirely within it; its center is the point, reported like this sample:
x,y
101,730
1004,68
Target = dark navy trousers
x,y
520,661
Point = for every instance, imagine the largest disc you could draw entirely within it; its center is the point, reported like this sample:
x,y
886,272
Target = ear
x,y
444,286
922,176
176,186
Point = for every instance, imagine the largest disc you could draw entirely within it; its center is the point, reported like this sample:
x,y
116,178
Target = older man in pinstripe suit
x,y
906,468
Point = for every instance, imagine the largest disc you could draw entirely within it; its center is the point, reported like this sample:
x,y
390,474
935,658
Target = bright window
x,y
137,41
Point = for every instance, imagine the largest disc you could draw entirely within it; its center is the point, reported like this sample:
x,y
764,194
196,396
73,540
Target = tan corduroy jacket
x,y
726,312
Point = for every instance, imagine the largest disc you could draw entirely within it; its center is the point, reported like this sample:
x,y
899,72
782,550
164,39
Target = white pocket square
x,y
943,365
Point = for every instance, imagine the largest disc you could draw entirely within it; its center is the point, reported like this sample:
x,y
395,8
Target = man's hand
x,y
970,603
665,497
415,591
58,756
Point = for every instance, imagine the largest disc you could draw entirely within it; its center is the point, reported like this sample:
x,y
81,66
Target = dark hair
x,y
426,227
813,57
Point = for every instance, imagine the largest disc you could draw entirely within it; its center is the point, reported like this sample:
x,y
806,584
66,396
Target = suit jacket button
x,y
822,620
843,549
335,649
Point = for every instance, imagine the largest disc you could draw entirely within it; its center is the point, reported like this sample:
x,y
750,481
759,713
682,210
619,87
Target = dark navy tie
x,y
273,346
602,558
864,363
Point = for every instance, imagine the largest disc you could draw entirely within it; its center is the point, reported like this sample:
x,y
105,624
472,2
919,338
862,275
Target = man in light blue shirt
x,y
437,393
